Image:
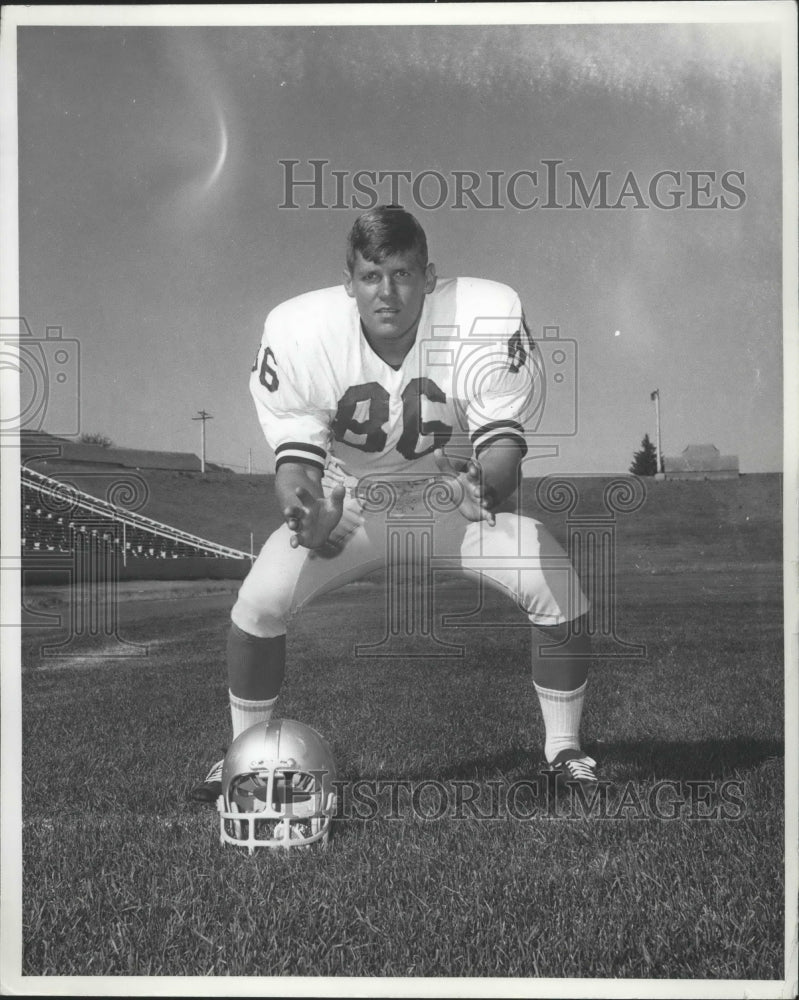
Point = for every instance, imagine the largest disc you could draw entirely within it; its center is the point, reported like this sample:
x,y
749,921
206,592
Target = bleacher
x,y
58,518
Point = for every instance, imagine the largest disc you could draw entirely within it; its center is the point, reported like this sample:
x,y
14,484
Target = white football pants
x,y
517,556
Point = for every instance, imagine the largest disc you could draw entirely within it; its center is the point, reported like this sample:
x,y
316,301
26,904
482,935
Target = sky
x,y
153,227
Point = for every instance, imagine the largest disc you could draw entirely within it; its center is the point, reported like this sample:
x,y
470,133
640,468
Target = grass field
x,y
123,877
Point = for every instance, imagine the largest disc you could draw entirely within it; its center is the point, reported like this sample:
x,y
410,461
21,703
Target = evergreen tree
x,y
645,461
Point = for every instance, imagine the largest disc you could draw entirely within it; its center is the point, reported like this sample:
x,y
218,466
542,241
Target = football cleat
x,y
210,789
277,787
574,767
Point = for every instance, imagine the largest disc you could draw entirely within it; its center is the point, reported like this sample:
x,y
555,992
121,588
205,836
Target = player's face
x,y
390,295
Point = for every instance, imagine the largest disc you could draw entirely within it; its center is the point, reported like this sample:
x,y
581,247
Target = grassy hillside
x,y
682,524
678,524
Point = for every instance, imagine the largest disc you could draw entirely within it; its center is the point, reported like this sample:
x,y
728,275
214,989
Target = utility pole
x,y
203,416
655,397
249,461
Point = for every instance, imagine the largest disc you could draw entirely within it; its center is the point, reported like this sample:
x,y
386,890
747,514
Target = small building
x,y
701,461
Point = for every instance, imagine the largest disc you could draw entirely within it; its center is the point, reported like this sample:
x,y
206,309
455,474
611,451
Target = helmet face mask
x,y
277,787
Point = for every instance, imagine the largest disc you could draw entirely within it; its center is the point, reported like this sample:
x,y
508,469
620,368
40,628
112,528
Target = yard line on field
x,y
99,820
102,658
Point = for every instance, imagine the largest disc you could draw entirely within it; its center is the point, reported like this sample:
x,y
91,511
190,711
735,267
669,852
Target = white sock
x,y
244,714
562,711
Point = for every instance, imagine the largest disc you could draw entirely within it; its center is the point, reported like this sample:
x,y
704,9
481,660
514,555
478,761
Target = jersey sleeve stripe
x,y
299,460
507,435
505,426
304,454
489,433
301,446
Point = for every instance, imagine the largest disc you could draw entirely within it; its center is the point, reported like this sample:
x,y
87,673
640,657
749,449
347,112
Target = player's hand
x,y
476,500
313,519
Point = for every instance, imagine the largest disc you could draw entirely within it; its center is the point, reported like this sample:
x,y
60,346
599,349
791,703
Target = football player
x,y
372,384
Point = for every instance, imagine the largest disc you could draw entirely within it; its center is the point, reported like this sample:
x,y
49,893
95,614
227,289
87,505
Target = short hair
x,y
384,231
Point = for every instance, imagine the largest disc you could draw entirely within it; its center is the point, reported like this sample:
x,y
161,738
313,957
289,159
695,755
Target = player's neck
x,y
393,352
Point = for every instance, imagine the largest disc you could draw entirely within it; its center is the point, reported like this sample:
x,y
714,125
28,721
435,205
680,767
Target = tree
x,y
99,439
645,461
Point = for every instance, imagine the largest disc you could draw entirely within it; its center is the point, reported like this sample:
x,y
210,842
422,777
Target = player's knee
x,y
554,600
258,620
566,628
557,610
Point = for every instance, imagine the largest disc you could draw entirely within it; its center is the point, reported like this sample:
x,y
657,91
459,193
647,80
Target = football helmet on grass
x,y
277,787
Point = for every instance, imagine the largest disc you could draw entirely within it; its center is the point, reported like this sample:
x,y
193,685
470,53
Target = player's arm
x,y
496,425
296,424
310,515
499,465
486,483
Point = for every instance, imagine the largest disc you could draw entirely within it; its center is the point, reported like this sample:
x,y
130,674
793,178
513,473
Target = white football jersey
x,y
321,392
